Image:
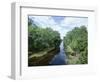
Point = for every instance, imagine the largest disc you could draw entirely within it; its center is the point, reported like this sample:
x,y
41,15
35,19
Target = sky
x,y
62,24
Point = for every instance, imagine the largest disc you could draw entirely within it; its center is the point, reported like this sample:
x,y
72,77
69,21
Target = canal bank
x,y
42,59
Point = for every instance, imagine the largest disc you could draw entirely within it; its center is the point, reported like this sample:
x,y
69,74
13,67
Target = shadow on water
x,y
54,57
60,58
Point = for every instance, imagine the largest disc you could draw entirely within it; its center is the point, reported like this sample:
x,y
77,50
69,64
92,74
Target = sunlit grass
x,y
41,53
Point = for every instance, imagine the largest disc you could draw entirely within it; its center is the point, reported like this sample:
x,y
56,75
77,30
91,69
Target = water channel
x,y
60,58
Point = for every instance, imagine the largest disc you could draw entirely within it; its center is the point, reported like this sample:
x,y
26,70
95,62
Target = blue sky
x,y
58,19
63,24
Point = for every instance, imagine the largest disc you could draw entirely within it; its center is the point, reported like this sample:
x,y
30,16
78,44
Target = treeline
x,y
40,39
75,45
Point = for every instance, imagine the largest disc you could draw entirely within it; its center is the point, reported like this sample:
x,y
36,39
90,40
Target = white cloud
x,y
43,21
71,22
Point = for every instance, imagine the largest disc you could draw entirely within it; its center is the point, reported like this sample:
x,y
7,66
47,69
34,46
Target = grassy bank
x,y
43,57
73,57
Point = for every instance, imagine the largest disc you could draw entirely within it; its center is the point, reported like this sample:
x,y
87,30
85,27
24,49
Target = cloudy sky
x,y
62,24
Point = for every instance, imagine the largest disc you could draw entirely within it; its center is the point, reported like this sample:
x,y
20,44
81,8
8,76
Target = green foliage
x,y
76,39
84,57
41,38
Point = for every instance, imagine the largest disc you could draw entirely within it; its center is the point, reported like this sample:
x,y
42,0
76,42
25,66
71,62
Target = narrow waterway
x,y
60,58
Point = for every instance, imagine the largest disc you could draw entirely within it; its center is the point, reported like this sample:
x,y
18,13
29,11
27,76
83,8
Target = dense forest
x,y
75,45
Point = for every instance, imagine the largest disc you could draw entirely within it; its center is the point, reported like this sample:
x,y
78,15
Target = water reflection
x,y
60,58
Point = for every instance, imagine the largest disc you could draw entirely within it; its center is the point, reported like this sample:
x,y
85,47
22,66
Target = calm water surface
x,y
60,58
